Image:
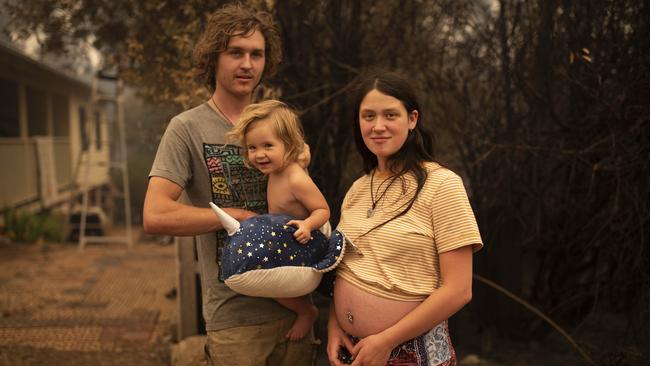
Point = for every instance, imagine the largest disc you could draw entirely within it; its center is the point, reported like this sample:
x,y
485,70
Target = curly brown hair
x,y
230,21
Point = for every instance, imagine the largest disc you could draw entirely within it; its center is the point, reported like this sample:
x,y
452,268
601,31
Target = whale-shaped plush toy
x,y
262,258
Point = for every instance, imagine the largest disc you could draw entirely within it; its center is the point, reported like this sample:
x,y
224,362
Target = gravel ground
x,y
103,306
110,306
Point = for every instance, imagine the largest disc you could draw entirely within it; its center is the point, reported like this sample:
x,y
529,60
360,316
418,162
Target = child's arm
x,y
305,191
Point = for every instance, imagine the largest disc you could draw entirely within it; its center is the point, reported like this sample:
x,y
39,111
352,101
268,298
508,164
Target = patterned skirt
x,y
432,348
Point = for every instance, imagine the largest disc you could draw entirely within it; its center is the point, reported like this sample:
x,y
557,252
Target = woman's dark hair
x,y
418,147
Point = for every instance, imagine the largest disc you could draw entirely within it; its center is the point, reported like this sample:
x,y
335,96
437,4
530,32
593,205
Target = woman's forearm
x,y
436,308
454,293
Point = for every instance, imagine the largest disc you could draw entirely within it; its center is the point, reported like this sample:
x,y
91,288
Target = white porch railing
x,y
19,169
63,160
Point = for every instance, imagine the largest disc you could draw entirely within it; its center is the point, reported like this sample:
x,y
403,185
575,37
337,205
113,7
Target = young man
x,y
239,47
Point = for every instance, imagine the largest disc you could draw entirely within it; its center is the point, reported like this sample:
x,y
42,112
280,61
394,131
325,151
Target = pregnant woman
x,y
410,234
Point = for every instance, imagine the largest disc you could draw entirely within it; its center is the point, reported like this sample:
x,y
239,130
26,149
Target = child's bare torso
x,y
280,193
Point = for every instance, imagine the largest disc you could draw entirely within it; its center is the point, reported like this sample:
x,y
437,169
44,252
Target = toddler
x,y
272,136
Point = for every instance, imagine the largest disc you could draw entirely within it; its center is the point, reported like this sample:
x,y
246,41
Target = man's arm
x,y
164,215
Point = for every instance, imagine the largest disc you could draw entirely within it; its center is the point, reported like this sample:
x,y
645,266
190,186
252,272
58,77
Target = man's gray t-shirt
x,y
193,154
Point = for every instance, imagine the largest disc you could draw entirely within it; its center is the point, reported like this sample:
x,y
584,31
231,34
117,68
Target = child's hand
x,y
303,232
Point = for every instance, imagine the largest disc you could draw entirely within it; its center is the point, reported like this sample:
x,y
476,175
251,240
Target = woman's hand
x,y
336,338
373,350
303,232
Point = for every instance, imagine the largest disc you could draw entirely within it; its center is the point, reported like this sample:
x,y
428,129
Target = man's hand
x,y
239,214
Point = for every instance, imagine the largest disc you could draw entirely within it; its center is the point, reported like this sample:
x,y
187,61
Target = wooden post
x,y
187,306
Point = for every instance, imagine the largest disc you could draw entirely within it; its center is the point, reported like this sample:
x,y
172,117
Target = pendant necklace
x,y
371,210
220,111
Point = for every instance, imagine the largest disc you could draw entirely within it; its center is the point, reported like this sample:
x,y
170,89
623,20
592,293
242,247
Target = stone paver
x,y
102,301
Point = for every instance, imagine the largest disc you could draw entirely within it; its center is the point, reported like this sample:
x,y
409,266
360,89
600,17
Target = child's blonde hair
x,y
284,122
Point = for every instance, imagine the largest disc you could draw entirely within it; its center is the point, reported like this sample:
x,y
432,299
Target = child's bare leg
x,y
306,313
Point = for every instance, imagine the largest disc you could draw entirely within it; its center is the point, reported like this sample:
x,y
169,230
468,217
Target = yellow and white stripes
x,y
399,260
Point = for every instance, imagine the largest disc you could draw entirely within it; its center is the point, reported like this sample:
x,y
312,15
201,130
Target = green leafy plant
x,y
25,226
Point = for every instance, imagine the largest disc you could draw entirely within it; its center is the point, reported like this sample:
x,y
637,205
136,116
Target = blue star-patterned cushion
x,y
262,258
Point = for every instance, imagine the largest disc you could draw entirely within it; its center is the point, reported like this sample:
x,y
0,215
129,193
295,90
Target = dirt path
x,y
107,306
103,306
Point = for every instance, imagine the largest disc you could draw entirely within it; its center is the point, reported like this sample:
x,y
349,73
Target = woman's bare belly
x,y
370,314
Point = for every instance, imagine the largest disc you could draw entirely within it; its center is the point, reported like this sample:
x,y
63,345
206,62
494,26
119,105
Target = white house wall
x,y
94,168
18,172
19,168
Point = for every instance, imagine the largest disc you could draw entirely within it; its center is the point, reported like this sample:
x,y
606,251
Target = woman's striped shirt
x,y
399,260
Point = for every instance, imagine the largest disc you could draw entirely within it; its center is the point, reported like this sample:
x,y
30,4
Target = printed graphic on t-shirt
x,y
233,184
